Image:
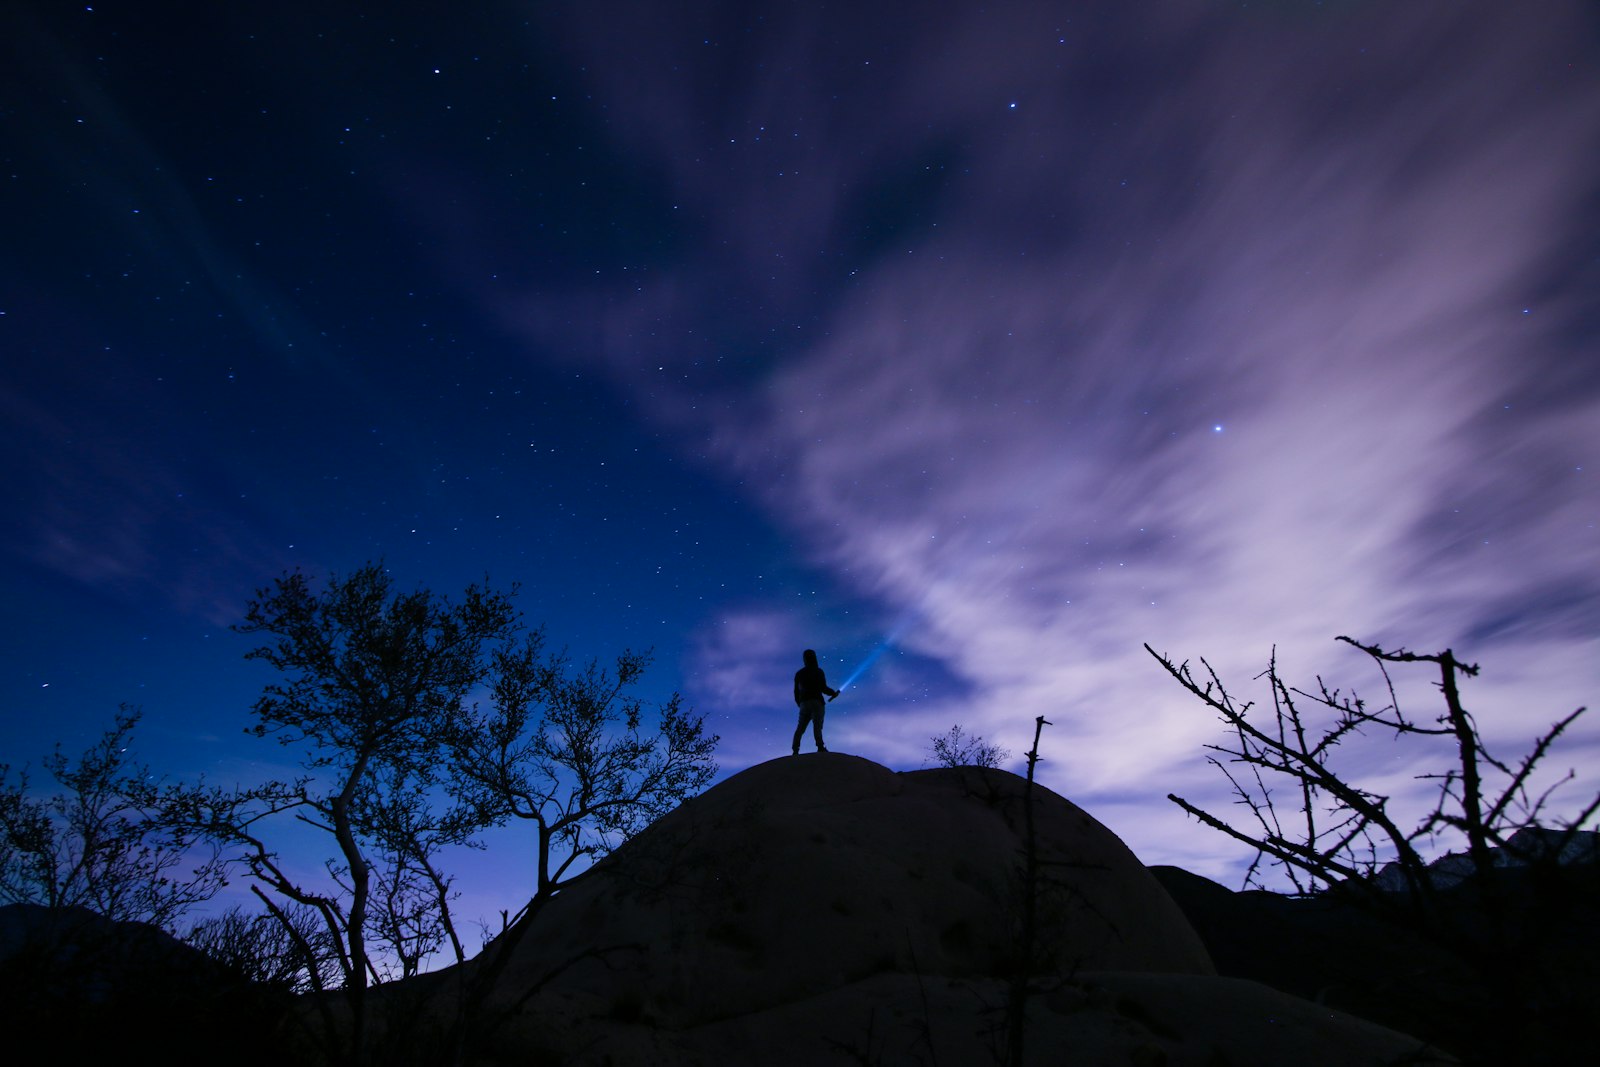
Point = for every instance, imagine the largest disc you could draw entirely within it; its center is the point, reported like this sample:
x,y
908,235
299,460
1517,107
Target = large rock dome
x,y
822,908
807,872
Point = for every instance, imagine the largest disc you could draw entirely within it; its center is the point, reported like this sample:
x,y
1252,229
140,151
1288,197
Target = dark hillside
x,y
1333,952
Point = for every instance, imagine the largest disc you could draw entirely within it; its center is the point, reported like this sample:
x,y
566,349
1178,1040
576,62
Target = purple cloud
x,y
1233,332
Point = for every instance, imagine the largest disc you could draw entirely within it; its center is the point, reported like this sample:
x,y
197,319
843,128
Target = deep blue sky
x,y
1024,333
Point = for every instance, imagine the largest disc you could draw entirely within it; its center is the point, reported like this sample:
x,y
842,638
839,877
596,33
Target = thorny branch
x,y
1341,830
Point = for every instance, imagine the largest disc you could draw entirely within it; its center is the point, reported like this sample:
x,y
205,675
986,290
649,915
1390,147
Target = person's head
x,y
810,658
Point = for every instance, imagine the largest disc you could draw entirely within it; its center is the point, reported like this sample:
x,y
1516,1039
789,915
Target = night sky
x,y
997,339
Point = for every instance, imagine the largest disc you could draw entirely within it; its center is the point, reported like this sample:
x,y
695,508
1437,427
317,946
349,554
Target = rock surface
x,y
823,909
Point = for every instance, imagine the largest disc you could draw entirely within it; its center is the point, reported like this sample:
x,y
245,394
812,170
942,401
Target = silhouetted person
x,y
810,684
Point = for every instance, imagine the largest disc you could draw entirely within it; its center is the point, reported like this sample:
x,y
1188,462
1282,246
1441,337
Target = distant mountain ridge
x,y
1530,844
97,956
77,987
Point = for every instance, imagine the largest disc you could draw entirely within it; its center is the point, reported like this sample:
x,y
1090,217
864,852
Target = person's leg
x,y
805,716
817,713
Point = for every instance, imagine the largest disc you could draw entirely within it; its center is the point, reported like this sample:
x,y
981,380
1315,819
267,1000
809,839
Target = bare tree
x,y
1335,831
960,749
411,824
400,768
1020,988
371,682
97,841
266,950
1325,831
571,752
